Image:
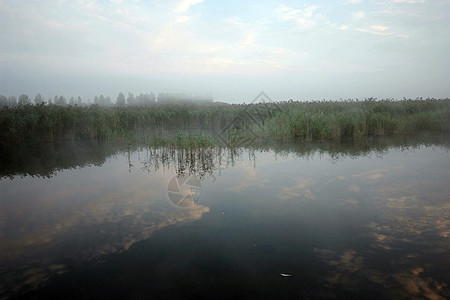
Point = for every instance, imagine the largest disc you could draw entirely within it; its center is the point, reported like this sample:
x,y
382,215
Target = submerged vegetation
x,y
324,121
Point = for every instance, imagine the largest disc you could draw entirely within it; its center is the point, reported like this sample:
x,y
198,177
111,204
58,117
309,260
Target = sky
x,y
301,50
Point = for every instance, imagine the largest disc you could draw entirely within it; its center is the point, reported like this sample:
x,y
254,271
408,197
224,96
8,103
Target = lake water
x,y
372,223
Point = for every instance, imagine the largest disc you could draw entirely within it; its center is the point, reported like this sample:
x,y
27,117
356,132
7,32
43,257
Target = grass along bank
x,y
324,121
355,120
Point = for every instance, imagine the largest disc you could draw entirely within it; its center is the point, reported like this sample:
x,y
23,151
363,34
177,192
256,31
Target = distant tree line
x,y
181,98
24,100
121,100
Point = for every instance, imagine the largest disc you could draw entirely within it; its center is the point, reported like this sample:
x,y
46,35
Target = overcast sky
x,y
302,50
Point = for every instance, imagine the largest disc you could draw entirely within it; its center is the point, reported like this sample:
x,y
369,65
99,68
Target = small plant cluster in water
x,y
323,121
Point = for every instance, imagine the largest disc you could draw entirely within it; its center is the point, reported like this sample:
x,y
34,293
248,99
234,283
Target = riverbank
x,y
322,121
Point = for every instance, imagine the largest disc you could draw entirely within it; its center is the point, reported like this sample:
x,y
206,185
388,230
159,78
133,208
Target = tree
x,y
101,100
61,100
145,99
3,101
182,98
24,100
108,101
12,101
38,99
120,100
130,99
152,98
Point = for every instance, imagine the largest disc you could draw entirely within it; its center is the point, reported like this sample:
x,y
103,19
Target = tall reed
x,y
325,120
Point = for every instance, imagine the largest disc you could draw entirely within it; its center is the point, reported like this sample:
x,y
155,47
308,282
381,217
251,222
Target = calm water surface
x,y
243,224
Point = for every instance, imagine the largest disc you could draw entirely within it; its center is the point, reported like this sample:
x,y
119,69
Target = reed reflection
x,y
202,162
48,160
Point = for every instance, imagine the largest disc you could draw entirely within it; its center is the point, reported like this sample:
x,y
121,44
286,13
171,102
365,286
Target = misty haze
x,y
224,150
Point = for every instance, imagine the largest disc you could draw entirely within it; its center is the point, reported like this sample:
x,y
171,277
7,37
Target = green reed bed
x,y
355,120
325,121
28,125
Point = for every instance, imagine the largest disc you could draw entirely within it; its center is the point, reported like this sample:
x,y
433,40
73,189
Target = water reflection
x,y
184,191
408,239
376,218
50,159
50,226
200,162
301,189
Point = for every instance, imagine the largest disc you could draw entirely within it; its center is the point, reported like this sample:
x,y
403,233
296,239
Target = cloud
x,y
373,174
380,28
184,5
138,38
376,29
303,17
301,189
182,19
278,57
358,15
174,38
248,177
409,1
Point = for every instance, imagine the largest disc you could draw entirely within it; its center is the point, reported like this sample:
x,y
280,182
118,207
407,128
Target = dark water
x,y
370,223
